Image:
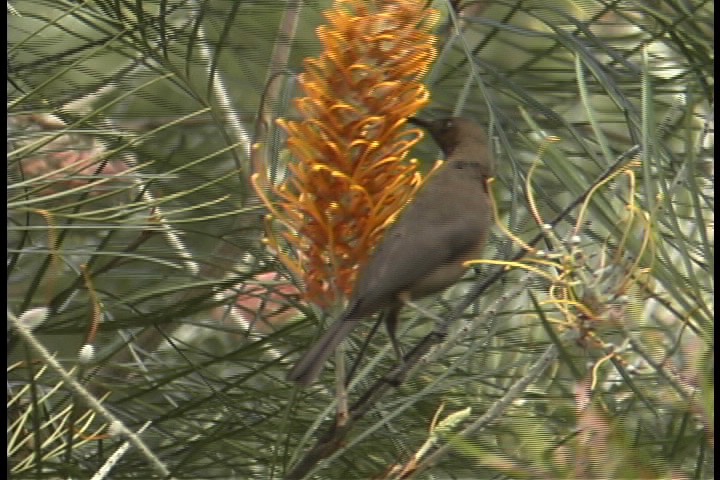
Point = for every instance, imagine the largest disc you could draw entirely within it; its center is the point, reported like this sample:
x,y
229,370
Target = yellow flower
x,y
350,175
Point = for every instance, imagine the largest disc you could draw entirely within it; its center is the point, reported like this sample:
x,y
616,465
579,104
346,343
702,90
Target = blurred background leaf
x,y
132,220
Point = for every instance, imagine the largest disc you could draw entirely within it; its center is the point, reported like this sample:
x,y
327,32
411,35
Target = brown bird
x,y
445,224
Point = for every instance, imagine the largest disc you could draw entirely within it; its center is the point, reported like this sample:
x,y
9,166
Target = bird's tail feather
x,y
308,369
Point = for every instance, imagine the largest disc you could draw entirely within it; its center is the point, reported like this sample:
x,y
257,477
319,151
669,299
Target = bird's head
x,y
451,132
460,136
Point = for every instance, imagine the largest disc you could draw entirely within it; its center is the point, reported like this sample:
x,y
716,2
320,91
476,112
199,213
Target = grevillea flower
x,y
350,175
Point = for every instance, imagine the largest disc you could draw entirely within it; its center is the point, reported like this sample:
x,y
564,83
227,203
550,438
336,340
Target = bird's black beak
x,y
419,122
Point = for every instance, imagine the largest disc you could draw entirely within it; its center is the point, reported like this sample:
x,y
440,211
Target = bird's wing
x,y
412,248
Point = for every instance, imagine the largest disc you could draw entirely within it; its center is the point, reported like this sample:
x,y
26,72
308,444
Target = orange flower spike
x,y
351,175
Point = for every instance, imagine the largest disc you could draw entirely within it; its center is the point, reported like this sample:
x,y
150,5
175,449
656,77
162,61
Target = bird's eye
x,y
448,124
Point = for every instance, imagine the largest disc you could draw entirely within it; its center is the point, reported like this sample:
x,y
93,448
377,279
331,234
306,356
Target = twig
x,y
496,409
91,401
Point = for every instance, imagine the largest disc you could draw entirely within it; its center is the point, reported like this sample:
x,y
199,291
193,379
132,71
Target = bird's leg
x,y
391,320
389,316
361,353
439,322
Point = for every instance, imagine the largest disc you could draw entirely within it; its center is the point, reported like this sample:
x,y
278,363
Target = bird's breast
x,y
437,280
